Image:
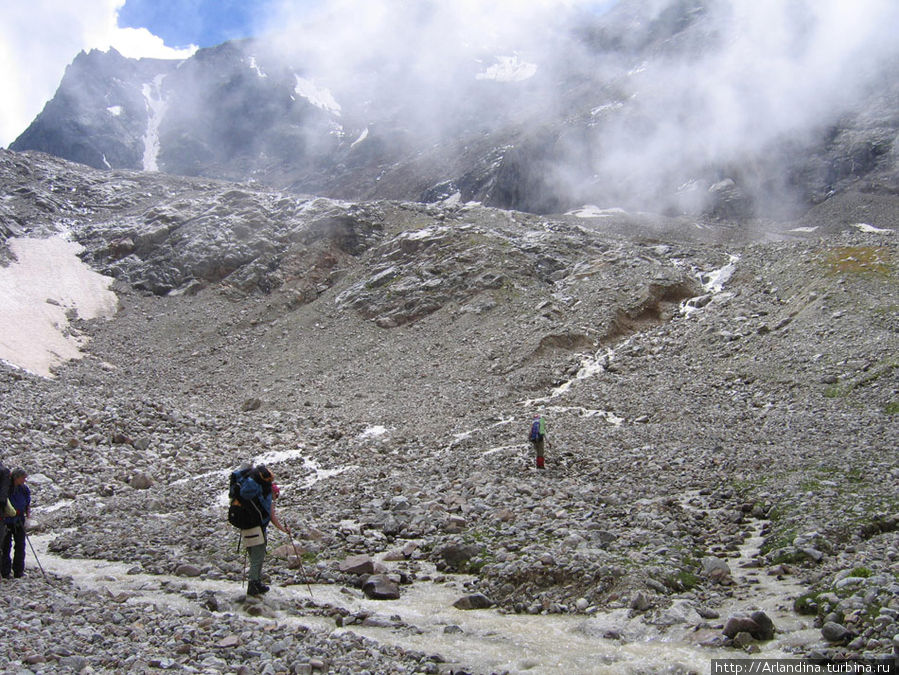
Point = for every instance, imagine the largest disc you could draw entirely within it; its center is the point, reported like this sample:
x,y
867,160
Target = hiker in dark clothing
x,y
5,484
20,498
538,438
258,489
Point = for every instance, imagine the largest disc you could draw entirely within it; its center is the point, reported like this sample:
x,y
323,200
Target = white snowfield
x,y
46,281
508,69
870,229
318,96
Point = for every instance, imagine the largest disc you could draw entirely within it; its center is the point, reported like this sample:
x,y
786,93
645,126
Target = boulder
x,y
455,555
473,601
836,633
187,570
716,569
640,602
141,481
357,564
381,587
454,525
758,624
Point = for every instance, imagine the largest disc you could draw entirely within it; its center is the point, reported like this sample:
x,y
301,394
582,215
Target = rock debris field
x,y
721,400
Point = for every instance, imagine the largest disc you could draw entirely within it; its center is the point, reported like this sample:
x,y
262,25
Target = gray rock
x,y
381,587
141,481
473,601
640,602
715,569
757,624
357,564
835,632
251,404
457,554
187,570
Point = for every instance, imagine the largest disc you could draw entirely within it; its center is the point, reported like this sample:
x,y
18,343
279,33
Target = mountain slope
x,y
385,359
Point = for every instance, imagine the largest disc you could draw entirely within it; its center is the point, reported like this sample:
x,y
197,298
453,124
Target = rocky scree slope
x,y
404,348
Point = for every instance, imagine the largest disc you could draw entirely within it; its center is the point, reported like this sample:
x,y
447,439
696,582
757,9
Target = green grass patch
x,y
835,391
790,556
807,604
777,541
891,408
859,260
843,389
682,580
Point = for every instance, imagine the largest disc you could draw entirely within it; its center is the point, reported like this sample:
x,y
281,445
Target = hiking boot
x,y
256,588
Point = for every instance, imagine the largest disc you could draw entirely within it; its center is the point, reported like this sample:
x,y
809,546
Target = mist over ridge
x,y
723,108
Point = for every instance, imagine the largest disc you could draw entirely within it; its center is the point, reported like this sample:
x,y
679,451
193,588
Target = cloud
x,y
750,75
773,76
39,38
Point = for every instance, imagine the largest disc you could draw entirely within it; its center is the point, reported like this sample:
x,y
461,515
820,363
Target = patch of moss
x,y
682,580
790,556
807,604
859,260
843,389
777,541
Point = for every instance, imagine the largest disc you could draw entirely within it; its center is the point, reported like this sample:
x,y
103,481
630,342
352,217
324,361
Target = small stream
x,y
488,641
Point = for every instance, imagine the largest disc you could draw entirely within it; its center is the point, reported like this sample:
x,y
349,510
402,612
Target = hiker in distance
x,y
258,489
20,499
537,438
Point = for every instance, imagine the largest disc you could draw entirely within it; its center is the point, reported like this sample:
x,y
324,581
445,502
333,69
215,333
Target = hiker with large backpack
x,y
537,437
252,509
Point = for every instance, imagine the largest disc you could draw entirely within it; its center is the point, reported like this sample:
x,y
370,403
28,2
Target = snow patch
x,y
277,457
508,69
361,138
592,211
805,229
37,293
156,106
870,229
606,107
115,110
255,66
376,431
316,95
713,282
424,233
319,474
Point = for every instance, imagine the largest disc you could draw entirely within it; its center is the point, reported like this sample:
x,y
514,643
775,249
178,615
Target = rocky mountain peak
x,y
658,106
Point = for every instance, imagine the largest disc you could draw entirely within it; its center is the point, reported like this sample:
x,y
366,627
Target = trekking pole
x,y
34,553
296,552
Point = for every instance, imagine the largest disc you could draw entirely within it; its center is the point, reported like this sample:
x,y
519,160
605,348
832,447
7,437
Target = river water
x,y
490,641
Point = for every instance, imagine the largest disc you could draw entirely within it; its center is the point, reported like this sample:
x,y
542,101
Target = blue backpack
x,y
535,430
242,514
